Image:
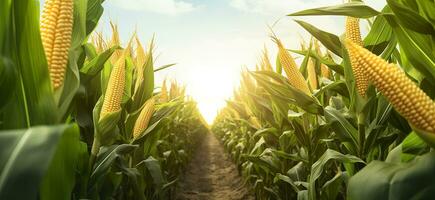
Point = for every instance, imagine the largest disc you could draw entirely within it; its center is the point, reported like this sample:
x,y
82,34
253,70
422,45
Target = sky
x,y
213,40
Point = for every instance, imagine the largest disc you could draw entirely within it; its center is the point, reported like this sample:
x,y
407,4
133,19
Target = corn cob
x,y
353,34
56,31
289,65
409,100
312,75
144,118
115,89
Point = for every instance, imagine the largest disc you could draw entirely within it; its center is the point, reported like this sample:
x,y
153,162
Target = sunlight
x,y
211,89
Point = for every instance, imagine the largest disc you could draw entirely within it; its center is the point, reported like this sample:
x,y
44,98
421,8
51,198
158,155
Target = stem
x,y
361,133
94,152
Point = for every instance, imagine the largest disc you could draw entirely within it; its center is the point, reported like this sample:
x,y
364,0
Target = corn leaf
x,y
331,41
354,9
26,156
383,180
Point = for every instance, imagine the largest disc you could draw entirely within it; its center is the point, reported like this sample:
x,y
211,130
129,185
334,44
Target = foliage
x,y
47,134
335,143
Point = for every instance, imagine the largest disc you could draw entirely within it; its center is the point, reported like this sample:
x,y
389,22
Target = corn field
x,y
83,117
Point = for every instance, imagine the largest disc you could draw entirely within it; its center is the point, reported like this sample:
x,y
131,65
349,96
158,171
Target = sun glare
x,y
211,89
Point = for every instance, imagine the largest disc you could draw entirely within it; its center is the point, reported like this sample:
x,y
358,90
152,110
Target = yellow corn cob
x,y
353,34
56,31
324,71
289,65
144,118
115,89
312,76
409,100
164,92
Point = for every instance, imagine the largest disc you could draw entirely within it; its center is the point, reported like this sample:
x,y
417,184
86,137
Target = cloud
x,y
271,7
278,7
166,7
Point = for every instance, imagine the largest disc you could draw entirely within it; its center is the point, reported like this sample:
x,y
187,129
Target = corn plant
x,y
355,125
80,116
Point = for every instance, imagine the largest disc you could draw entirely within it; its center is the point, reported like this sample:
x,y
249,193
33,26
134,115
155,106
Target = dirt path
x,y
212,175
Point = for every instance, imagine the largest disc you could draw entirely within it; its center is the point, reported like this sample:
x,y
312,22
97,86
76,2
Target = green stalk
x,y
94,152
361,133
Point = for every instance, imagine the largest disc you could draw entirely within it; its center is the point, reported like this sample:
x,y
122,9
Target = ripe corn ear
x,y
56,30
144,118
312,75
115,89
353,34
409,100
289,65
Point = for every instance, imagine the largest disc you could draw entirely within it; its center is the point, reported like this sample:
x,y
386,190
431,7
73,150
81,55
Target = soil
x,y
211,175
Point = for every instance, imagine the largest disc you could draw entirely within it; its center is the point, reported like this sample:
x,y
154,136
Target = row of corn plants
x,y
80,116
356,119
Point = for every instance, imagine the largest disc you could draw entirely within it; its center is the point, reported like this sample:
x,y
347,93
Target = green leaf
x,y
331,64
280,87
428,137
155,171
409,18
329,40
34,103
8,81
105,159
413,144
343,128
93,14
25,157
145,88
94,66
63,168
354,9
416,47
379,36
5,11
318,167
399,181
164,67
